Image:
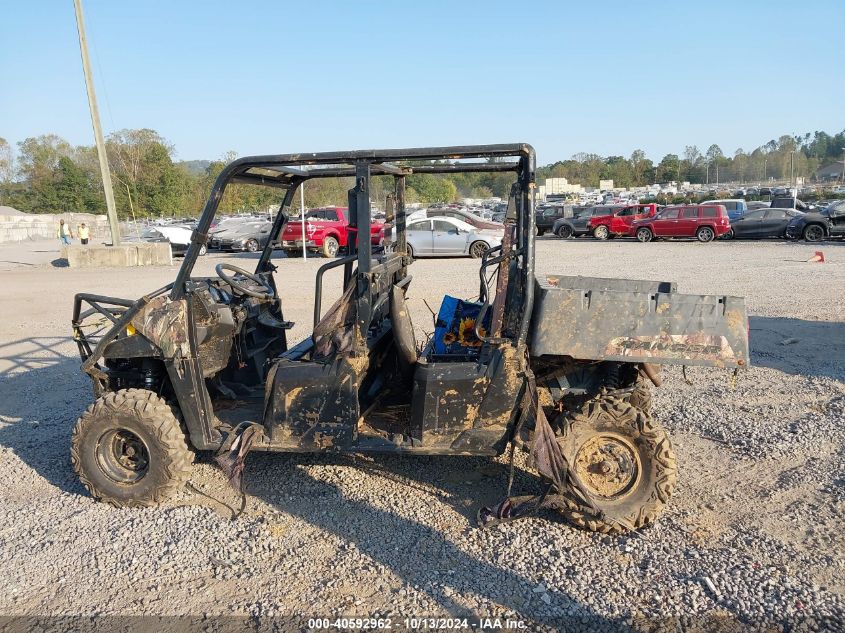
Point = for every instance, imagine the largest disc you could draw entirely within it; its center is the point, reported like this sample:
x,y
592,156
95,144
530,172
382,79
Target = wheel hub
x,y
122,456
607,466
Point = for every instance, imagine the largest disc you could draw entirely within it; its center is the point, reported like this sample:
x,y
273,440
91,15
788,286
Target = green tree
x,y
38,162
430,188
714,152
7,163
668,169
7,170
642,168
72,192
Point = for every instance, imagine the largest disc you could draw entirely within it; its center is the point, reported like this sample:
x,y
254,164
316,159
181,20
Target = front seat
x,y
403,328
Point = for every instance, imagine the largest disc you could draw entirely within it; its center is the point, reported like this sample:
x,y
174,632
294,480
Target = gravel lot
x,y
754,531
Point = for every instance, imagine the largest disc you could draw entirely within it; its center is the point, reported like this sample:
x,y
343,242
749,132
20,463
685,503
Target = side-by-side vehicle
x,y
556,363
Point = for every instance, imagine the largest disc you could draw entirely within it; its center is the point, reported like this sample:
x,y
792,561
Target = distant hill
x,y
194,167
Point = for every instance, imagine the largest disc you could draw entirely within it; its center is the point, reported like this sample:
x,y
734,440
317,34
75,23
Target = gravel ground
x,y
753,532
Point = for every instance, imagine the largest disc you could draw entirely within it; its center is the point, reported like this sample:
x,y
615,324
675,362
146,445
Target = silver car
x,y
449,237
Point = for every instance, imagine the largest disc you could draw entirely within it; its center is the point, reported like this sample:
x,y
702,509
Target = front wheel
x,y
729,235
129,449
565,231
601,232
644,235
477,249
814,233
330,247
625,464
641,397
252,246
705,234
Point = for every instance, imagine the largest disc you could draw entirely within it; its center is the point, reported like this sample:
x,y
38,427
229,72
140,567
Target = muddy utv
x,y
558,364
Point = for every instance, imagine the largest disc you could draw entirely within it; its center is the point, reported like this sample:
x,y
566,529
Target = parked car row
x,y
455,232
729,219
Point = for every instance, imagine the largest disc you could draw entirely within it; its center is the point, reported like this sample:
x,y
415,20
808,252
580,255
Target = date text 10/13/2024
x,y
417,624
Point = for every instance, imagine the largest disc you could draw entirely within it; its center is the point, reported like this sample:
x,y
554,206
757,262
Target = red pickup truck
x,y
326,232
619,222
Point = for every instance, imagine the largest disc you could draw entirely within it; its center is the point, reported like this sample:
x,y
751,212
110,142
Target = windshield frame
x,y
292,170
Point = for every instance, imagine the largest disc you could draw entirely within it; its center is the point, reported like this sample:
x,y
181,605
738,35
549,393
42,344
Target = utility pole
x,y
792,168
95,121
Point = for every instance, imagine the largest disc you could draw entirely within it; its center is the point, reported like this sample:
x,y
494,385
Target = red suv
x,y
618,223
702,221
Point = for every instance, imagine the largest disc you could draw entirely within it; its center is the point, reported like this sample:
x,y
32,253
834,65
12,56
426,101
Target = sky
x,y
277,77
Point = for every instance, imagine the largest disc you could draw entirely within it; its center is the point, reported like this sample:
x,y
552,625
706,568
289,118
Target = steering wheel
x,y
268,295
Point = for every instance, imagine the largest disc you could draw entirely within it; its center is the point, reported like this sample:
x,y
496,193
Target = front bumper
x,y
294,244
227,245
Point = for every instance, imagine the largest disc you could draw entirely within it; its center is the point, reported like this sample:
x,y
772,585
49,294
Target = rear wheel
x,y
814,233
129,449
477,249
705,234
729,235
644,235
625,463
565,231
601,232
330,247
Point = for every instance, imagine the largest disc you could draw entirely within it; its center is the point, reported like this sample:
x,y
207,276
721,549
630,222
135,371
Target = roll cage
x,y
289,171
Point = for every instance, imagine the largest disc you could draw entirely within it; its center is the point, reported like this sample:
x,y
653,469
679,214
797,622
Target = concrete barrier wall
x,y
33,226
98,256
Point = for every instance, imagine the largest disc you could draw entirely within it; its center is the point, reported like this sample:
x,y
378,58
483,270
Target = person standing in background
x,y
64,233
82,231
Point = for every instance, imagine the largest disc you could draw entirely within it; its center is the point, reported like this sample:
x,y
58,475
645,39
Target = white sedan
x,y
449,237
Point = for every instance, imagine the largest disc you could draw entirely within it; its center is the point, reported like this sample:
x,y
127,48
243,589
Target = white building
x,y
558,187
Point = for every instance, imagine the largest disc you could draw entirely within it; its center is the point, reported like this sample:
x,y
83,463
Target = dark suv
x,y
579,223
546,216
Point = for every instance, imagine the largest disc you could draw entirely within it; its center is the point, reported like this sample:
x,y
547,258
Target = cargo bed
x,y
592,318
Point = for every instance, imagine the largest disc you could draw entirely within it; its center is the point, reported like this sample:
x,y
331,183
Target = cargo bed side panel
x,y
637,325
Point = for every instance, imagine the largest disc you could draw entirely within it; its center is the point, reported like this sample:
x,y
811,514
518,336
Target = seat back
x,y
403,328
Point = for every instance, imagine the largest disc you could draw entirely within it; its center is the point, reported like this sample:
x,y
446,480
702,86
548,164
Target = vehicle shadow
x,y
417,553
799,347
42,391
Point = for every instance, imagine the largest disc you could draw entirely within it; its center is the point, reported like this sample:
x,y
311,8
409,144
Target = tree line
x,y
781,159
49,175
